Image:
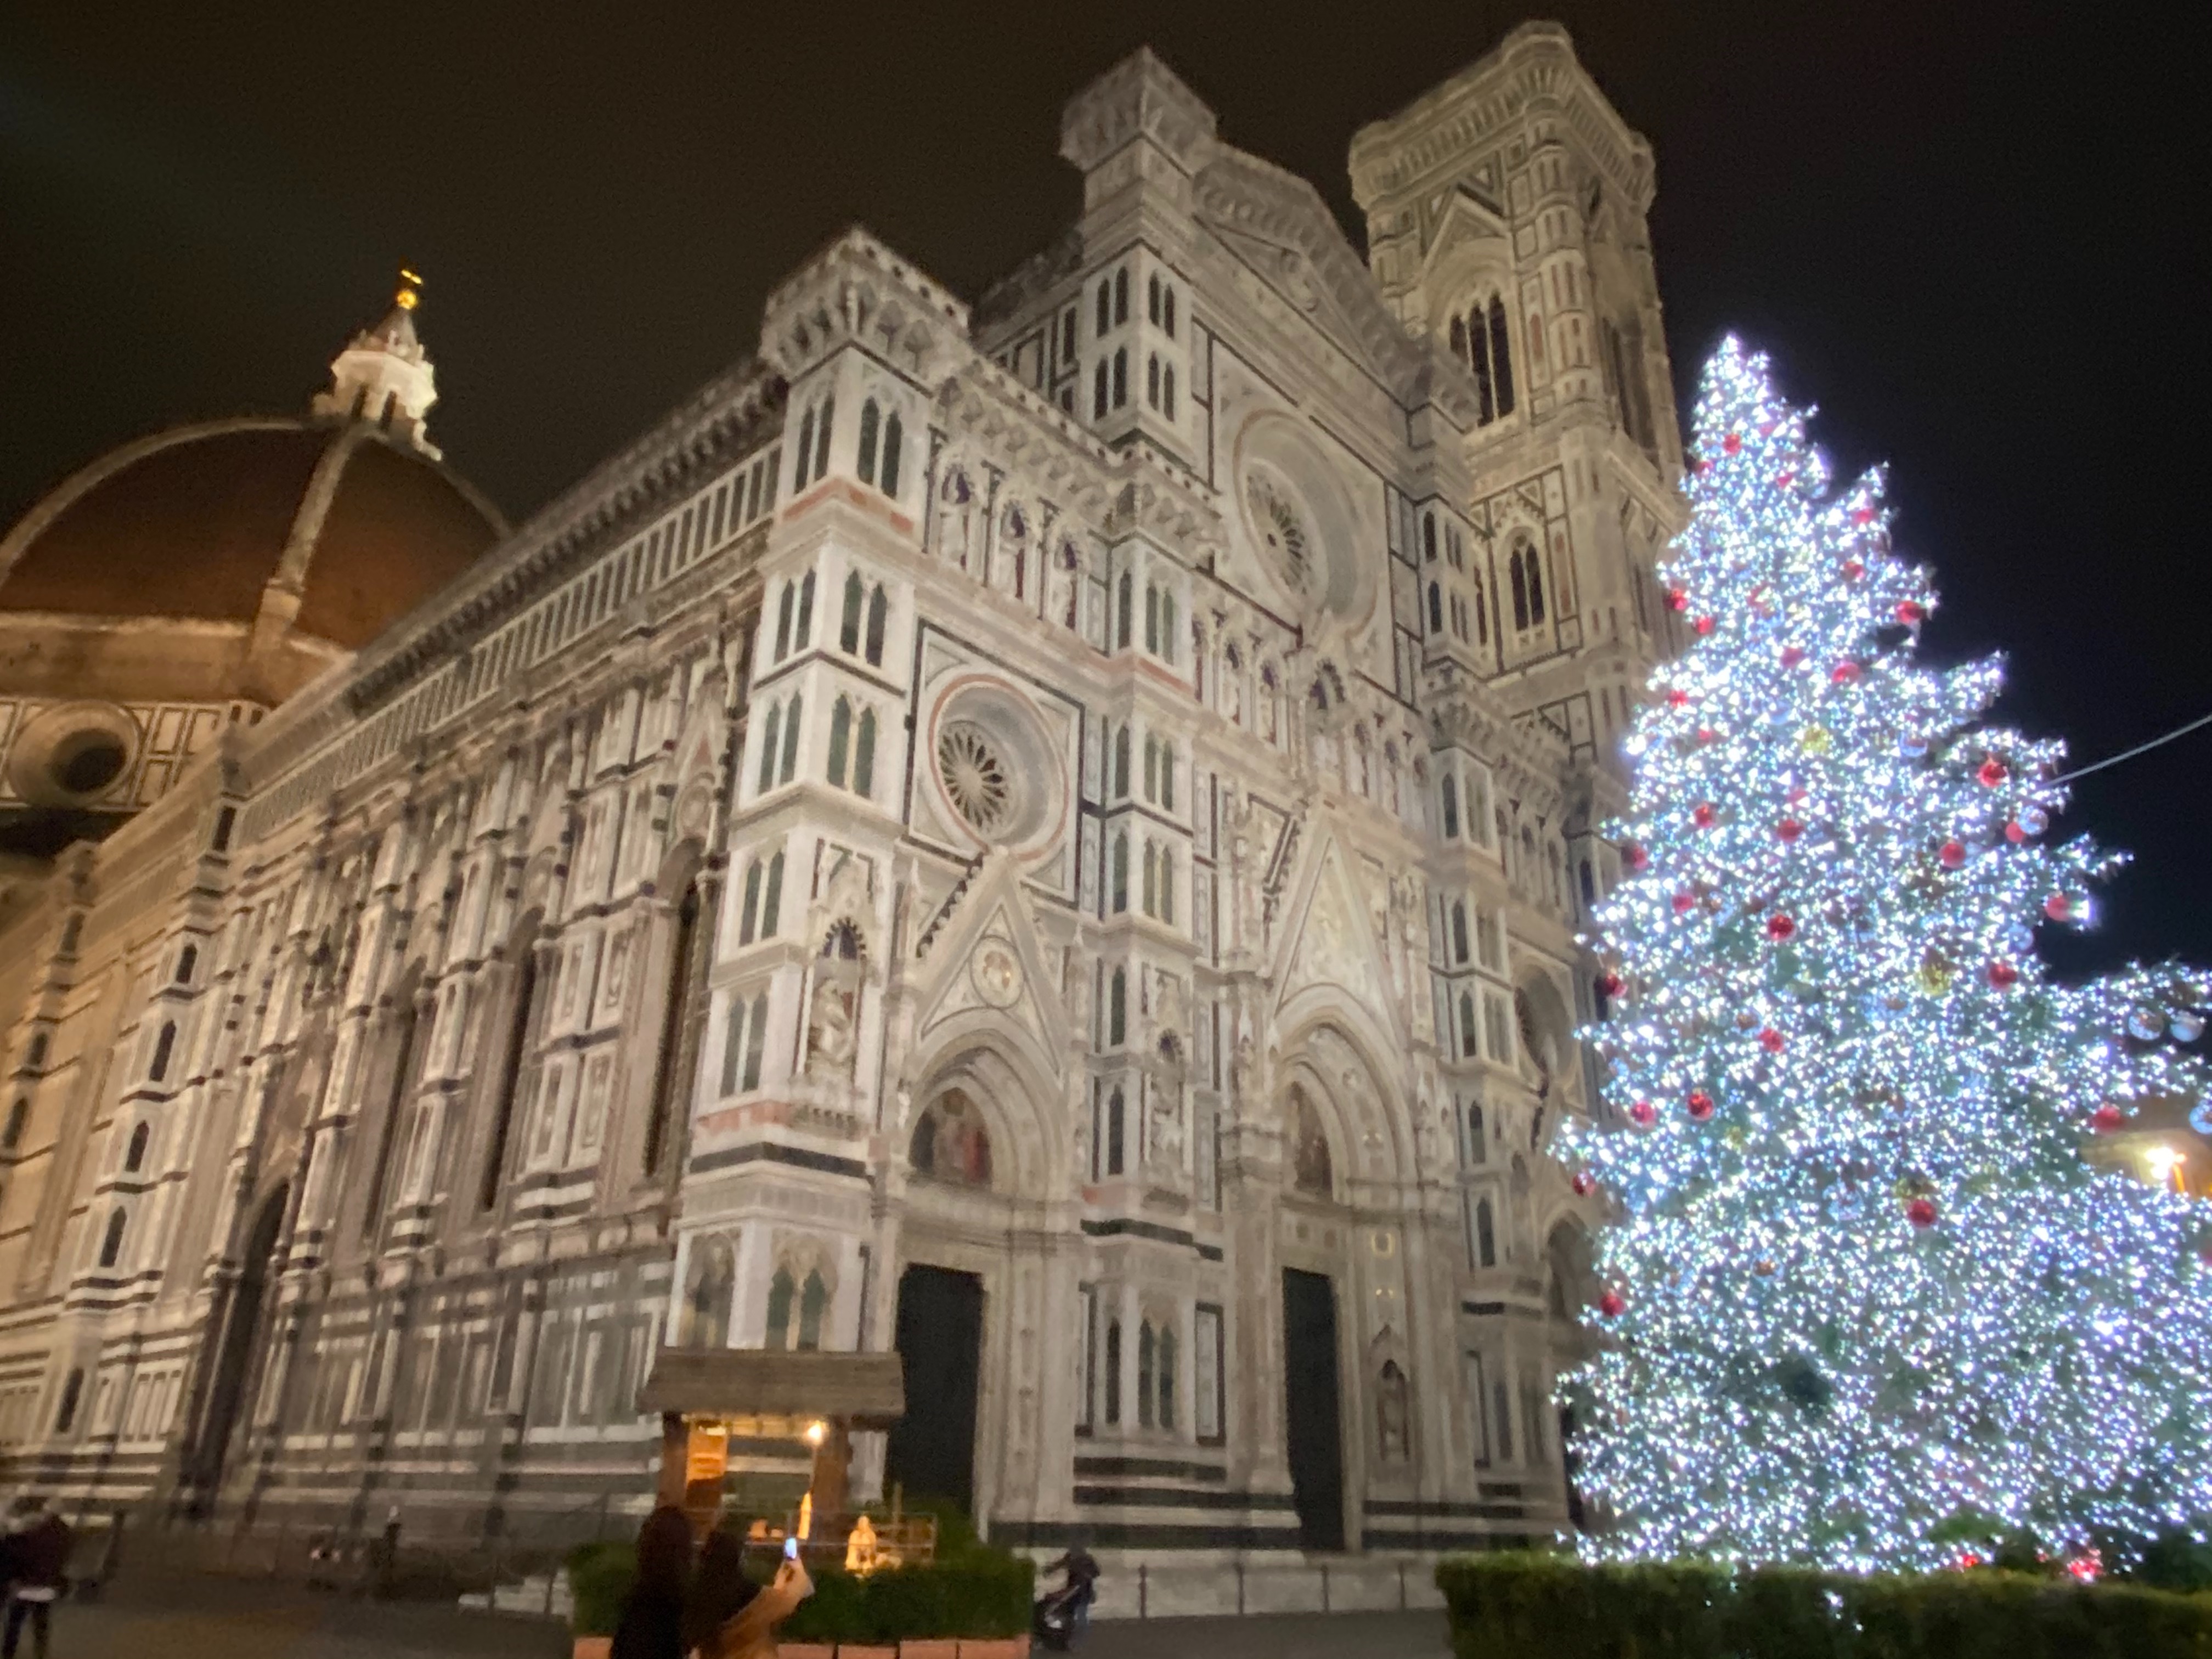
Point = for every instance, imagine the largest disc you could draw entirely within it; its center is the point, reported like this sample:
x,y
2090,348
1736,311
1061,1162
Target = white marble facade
x,y
1092,792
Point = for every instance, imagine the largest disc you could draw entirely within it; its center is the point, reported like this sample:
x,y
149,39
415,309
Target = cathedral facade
x,y
1049,835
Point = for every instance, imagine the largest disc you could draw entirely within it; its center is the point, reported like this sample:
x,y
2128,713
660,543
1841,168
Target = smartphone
x,y
791,1548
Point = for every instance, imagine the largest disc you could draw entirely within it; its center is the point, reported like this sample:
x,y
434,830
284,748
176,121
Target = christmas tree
x,y
1863,1284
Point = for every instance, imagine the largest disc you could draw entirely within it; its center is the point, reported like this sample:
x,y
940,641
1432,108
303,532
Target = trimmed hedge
x,y
983,1594
1509,1605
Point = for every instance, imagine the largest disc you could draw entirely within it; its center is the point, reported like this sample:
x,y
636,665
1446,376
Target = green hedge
x,y
1509,1605
982,1594
599,1577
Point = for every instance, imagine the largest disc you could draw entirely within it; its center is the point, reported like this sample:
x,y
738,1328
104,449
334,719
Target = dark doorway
x,y
932,1451
234,1361
1310,1404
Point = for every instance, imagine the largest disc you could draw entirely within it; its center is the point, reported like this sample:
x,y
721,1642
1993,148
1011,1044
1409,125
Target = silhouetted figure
x,y
652,1623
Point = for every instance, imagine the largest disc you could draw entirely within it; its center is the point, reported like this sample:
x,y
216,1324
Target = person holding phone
x,y
730,1617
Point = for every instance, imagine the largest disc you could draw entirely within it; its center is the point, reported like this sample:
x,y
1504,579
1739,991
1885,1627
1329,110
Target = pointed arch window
x,y
1105,308
1152,379
863,756
1485,1235
848,623
1146,1346
879,611
783,622
822,444
1117,1010
1459,931
871,422
805,452
1167,389
790,740
1166,1369
187,960
894,440
111,1242
768,749
1151,878
813,1302
1099,383
1125,617
134,1159
781,1293
802,632
1468,1046
1168,322
1113,1369
1428,538
1120,901
1120,376
1152,299
1121,295
1121,780
745,1038
749,913
1449,789
840,736
1436,608
772,896
164,1046
1117,1113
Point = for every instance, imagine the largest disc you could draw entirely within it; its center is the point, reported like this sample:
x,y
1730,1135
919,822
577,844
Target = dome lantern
x,y
384,375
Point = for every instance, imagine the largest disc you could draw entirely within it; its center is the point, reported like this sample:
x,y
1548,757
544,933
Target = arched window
x,y
187,959
768,747
1481,616
1120,376
822,448
1113,1372
1146,1363
1117,1009
72,1396
1166,911
1501,353
1436,608
134,1159
879,609
1120,781
1167,776
164,1046
1450,790
894,439
866,462
781,1294
1151,878
19,1114
864,755
1166,1376
790,740
1589,888
683,979
772,896
1167,626
840,736
1121,295
1120,875
1535,584
710,1278
802,632
848,624
1478,1142
813,1301
783,622
748,912
1152,299
1466,1042
1126,616
1152,379
1105,308
1167,392
1486,1236
1428,538
805,454
521,1021
1167,316
1098,385
1459,930
111,1241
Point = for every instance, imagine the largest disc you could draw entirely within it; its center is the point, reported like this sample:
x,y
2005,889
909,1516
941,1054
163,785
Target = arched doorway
x,y
242,1322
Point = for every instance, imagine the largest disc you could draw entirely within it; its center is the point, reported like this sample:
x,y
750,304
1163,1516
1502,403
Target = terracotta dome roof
x,y
195,524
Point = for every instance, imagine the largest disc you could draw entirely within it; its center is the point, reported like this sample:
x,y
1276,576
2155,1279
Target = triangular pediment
x,y
988,958
1333,944
1466,230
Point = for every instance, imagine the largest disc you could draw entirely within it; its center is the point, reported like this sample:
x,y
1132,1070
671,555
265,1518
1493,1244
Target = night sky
x,y
1977,240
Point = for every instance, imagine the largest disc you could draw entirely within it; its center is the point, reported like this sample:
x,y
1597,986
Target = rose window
x,y
1282,528
974,774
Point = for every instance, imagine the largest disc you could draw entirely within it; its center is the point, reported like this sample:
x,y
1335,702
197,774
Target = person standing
x,y
730,1617
37,1557
653,1613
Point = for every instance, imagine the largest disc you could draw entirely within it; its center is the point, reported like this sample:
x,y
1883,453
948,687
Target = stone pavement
x,y
162,1616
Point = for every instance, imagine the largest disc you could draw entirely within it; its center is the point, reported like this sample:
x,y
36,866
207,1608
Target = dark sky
x,y
1974,236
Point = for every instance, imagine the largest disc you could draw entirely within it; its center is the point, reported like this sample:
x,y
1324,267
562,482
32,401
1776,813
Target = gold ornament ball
x,y
1816,740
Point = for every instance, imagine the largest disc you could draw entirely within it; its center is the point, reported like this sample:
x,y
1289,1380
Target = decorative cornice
x,y
858,292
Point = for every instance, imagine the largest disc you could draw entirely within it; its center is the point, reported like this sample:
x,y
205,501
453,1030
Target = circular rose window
x,y
974,774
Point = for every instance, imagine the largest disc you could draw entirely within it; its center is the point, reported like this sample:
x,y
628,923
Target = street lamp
x,y
2166,1161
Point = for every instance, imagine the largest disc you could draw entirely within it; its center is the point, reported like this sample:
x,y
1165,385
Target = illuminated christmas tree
x,y
1864,1283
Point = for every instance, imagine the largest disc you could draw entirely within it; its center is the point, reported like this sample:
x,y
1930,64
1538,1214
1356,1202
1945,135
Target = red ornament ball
x,y
1678,598
1704,625
1684,902
1912,614
1634,856
2014,833
1701,1105
2004,975
1844,673
1612,985
1612,1304
1584,1183
1953,855
1786,479
1644,1113
2106,1118
1732,444
1863,515
1991,773
1677,698
1792,655
2057,907
1853,570
1771,1040
1780,928
1703,817
1789,830
1921,1212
